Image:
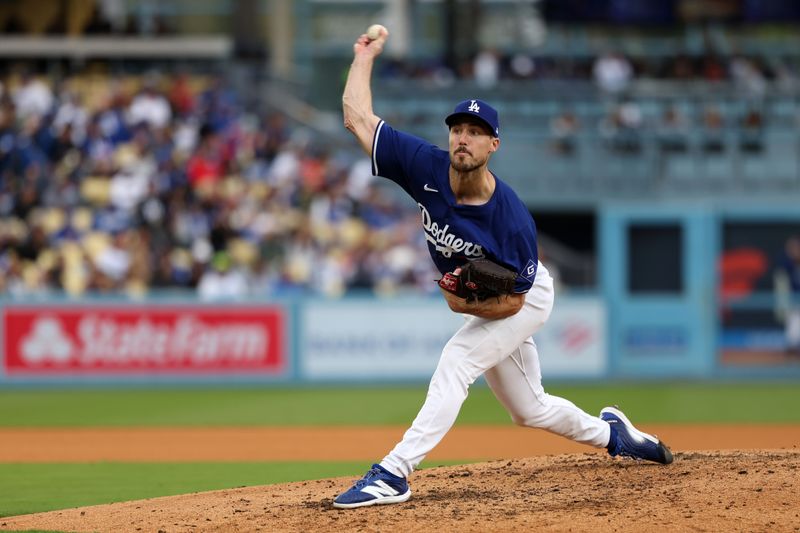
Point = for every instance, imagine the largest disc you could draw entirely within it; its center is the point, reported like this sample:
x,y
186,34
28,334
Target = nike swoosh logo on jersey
x,y
429,189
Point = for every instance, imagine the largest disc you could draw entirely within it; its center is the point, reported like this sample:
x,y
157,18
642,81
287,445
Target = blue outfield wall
x,y
688,289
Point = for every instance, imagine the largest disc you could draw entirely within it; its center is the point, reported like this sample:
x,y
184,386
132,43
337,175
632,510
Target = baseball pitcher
x,y
483,241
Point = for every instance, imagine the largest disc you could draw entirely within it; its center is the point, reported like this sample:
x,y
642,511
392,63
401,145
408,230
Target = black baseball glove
x,y
479,280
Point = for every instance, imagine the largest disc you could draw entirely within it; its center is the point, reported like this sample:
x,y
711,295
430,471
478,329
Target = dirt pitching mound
x,y
702,491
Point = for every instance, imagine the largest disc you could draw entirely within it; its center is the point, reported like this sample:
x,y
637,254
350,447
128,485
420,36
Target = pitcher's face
x,y
471,144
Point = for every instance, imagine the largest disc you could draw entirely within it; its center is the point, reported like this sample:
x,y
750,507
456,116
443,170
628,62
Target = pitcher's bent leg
x,y
517,383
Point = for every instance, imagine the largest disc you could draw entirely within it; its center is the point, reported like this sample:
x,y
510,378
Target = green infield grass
x,y
35,488
32,488
646,403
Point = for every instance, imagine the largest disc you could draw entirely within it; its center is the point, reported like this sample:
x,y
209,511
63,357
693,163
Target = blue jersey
x,y
501,230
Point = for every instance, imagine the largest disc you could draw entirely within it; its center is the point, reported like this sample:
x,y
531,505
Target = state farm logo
x,y
117,341
47,342
107,339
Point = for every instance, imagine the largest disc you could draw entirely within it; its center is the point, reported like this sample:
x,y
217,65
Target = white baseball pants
x,y
504,351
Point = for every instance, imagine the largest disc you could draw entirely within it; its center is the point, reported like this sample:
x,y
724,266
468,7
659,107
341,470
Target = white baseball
x,y
374,31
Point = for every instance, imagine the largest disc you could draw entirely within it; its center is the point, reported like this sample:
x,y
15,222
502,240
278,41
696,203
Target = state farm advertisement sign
x,y
57,340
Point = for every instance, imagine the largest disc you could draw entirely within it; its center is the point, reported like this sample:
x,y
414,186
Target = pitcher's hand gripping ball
x,y
374,31
479,280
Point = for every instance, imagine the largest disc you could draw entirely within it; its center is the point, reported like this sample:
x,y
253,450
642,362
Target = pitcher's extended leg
x,y
477,346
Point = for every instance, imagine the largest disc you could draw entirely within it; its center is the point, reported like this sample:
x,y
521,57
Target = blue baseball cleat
x,y
627,441
378,486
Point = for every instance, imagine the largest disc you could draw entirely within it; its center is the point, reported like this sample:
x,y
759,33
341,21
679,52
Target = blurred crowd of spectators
x,y
626,126
125,185
626,129
612,72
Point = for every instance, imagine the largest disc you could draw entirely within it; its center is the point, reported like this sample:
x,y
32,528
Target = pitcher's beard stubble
x,y
464,164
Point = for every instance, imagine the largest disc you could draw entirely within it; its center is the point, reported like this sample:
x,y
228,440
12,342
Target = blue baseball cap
x,y
477,109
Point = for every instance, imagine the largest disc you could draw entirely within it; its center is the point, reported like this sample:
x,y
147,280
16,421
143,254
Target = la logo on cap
x,y
478,109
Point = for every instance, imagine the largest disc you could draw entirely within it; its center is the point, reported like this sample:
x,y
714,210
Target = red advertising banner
x,y
63,339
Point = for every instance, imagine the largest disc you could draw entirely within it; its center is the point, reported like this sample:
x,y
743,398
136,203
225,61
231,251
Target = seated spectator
x,y
221,281
522,66
131,184
112,262
713,129
613,73
486,69
206,166
181,97
751,132
748,77
622,128
681,68
713,68
218,104
563,130
33,97
673,131
150,107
